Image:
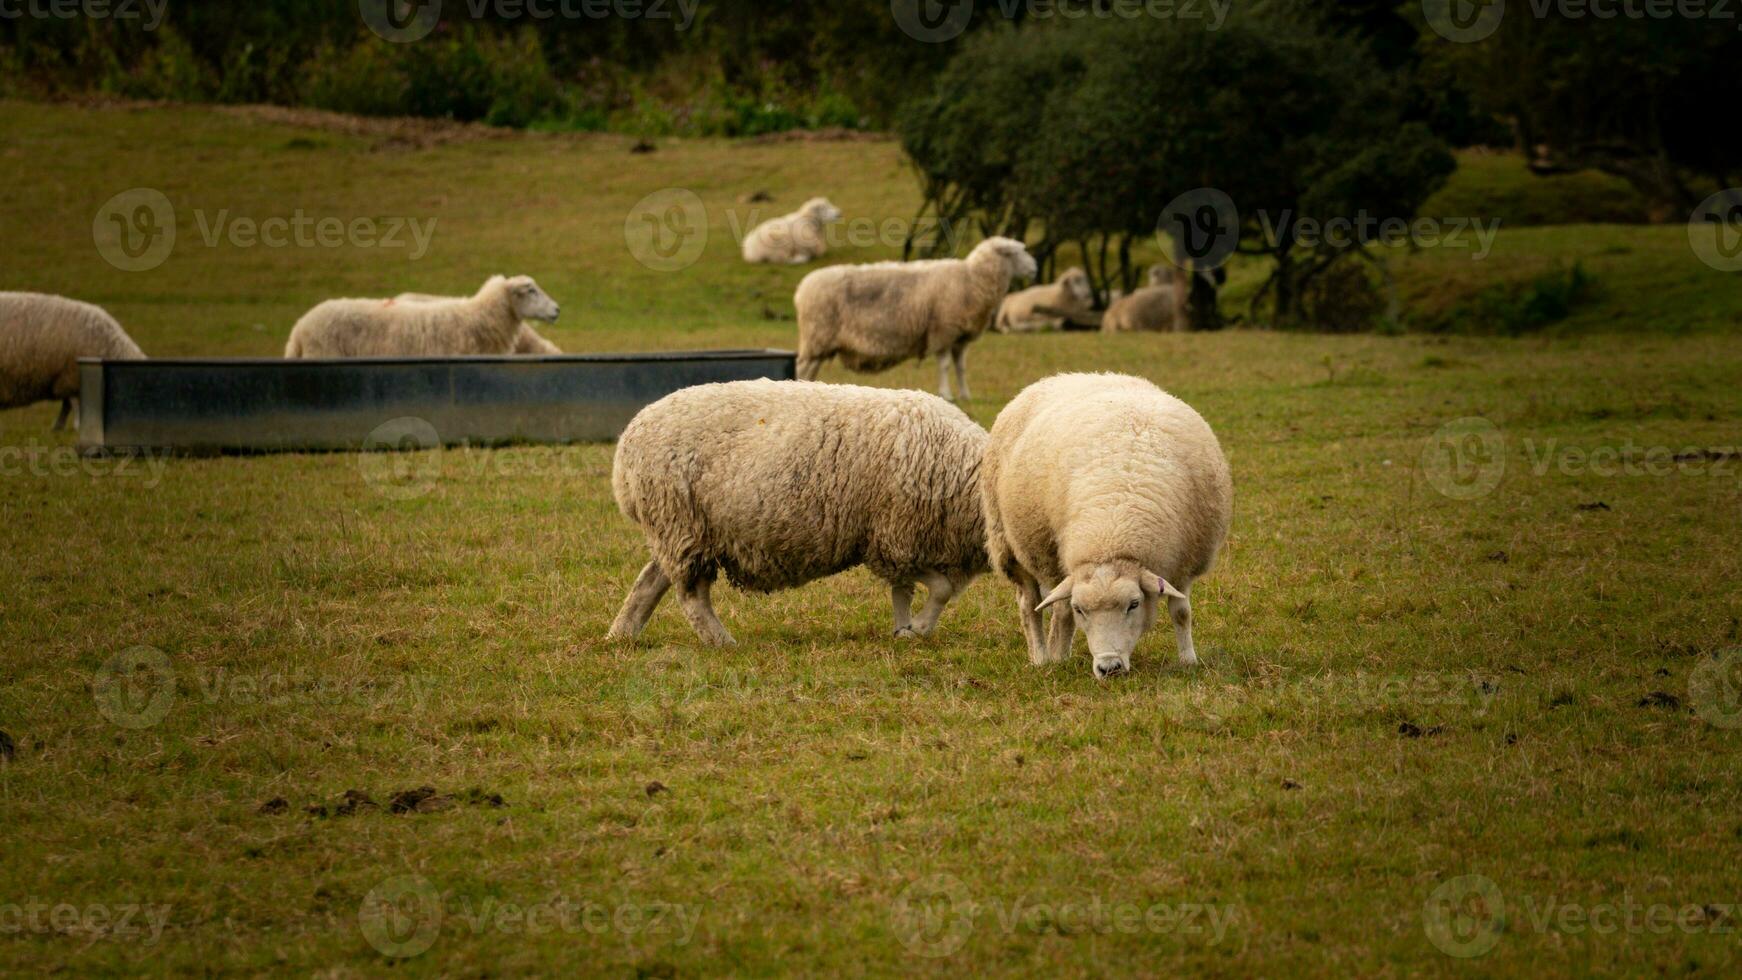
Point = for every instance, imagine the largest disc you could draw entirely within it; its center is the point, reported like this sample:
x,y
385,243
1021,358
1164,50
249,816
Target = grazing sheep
x,y
485,324
778,483
41,340
1103,491
527,341
792,239
1035,308
875,316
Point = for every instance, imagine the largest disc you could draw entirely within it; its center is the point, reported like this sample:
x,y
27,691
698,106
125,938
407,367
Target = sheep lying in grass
x,y
1104,493
1037,307
795,238
41,340
527,341
875,316
778,483
488,323
1152,307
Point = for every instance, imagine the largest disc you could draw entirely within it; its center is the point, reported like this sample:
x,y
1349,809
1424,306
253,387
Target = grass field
x,y
1469,697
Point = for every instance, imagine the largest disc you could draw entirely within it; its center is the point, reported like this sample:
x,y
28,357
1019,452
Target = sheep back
x,y
778,483
42,338
1090,468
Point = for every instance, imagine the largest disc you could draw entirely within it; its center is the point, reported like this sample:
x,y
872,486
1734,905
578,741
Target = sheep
x,y
485,324
1153,307
527,341
778,483
875,316
1036,308
41,340
1164,305
1104,492
792,239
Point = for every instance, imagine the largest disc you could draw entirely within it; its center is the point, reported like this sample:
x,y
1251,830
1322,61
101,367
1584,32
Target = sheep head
x,y
821,211
1114,603
530,302
1076,285
1018,264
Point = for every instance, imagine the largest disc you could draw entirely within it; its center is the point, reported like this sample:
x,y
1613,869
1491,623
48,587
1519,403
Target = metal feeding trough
x,y
267,405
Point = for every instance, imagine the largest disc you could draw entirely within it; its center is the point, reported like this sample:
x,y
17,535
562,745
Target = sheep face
x,y
1160,275
531,302
1076,284
821,210
1114,604
1018,264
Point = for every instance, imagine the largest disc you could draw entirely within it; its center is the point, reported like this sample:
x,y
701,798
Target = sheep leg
x,y
808,367
901,596
645,594
938,593
959,357
1063,633
700,612
1181,611
944,377
66,409
1028,595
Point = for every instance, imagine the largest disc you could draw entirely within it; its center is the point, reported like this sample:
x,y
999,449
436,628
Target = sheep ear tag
x,y
1155,585
1059,594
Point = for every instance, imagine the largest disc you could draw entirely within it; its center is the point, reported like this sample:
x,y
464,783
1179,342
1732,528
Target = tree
x,y
1295,124
1640,98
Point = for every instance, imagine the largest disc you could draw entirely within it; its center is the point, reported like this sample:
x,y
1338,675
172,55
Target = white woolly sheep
x,y
778,483
875,316
527,341
41,340
1105,493
792,239
1034,308
485,324
1150,308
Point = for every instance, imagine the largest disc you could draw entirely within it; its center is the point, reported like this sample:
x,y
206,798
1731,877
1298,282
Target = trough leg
x,y
650,586
939,590
66,410
959,356
901,596
944,377
700,612
1028,595
1181,611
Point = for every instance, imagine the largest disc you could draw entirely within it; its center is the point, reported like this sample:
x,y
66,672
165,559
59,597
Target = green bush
x,y
1523,307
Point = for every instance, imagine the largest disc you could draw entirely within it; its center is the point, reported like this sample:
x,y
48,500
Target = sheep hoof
x,y
906,633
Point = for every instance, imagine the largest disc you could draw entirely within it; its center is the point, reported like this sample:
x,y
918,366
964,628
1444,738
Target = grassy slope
x,y
820,770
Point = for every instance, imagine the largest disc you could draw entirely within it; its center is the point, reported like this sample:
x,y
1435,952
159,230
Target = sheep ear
x,y
1059,594
1155,585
